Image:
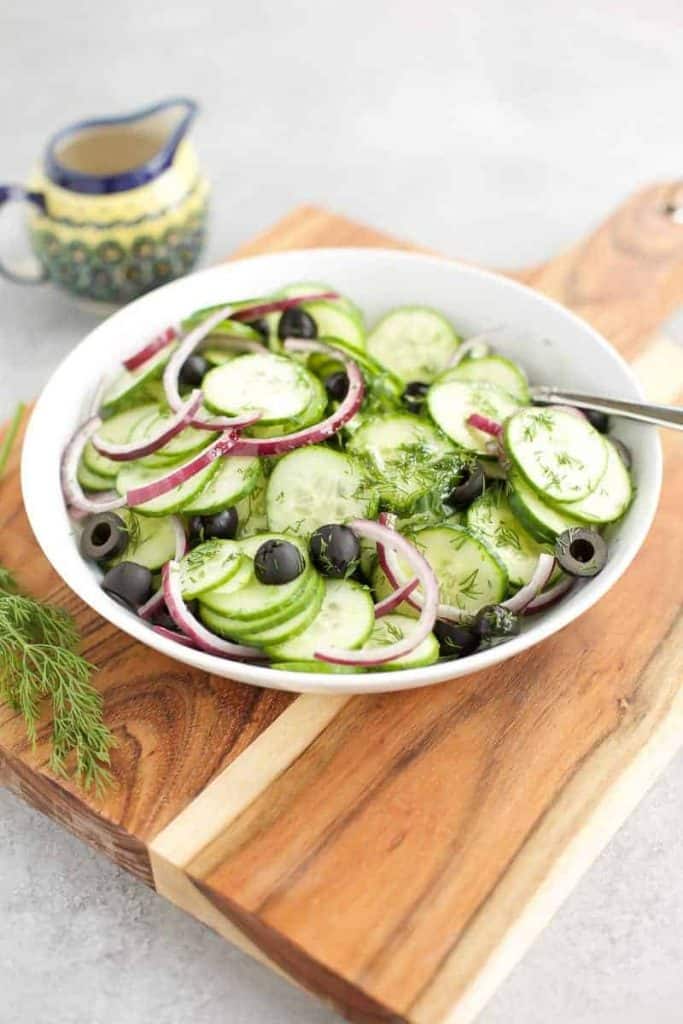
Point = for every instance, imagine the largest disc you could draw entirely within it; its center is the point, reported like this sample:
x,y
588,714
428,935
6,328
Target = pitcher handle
x,y
17,193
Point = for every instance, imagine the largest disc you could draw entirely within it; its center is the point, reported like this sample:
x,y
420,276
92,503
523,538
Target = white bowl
x,y
553,345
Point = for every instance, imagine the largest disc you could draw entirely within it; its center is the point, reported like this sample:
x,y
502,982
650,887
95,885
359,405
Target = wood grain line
x,y
595,802
192,834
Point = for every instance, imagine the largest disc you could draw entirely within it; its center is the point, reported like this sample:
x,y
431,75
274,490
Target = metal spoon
x,y
660,415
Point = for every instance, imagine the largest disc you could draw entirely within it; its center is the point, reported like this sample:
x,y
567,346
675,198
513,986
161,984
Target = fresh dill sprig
x,y
39,659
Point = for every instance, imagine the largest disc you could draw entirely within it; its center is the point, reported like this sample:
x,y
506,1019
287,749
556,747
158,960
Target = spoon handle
x,y
660,415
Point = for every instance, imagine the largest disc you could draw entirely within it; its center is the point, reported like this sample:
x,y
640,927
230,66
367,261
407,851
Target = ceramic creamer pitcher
x,y
118,205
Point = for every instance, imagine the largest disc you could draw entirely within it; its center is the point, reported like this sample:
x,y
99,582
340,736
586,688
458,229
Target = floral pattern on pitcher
x,y
118,206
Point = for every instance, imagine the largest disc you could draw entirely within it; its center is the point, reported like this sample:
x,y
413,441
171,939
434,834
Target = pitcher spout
x,y
114,154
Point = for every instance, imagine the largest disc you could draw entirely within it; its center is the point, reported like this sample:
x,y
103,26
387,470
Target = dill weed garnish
x,y
39,659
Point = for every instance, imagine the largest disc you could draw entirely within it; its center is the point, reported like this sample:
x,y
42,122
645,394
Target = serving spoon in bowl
x,y
660,415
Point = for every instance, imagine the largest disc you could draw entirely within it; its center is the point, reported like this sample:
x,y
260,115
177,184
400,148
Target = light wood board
x,y
396,854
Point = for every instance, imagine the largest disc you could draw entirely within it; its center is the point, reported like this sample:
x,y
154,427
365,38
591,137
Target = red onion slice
x,y
484,424
396,598
147,492
280,305
549,597
191,627
157,602
320,431
138,449
175,365
425,574
71,489
151,348
169,634
539,579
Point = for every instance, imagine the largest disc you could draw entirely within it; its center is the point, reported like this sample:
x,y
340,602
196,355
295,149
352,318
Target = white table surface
x,y
499,133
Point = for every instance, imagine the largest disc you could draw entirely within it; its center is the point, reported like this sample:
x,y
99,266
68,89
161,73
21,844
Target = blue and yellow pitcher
x,y
118,205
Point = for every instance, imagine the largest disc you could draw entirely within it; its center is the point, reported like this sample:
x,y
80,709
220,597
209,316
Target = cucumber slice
x,y
315,485
179,448
236,477
244,629
311,287
251,511
345,620
334,321
273,385
382,588
392,628
561,455
610,499
543,521
117,430
296,620
491,518
415,342
218,356
130,384
494,370
405,455
209,565
135,475
452,402
93,481
258,600
313,413
151,542
469,574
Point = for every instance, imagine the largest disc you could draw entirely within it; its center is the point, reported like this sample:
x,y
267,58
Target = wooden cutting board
x,y
396,854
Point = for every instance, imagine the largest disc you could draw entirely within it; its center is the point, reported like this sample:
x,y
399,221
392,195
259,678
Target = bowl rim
x,y
320,682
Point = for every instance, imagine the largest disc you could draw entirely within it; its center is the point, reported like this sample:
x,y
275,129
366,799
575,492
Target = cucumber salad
x,y
270,481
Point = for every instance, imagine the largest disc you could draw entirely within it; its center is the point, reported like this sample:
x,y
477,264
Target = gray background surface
x,y
498,133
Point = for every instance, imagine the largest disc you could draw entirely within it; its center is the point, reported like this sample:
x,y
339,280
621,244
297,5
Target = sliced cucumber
x,y
319,287
282,626
218,356
404,454
151,542
561,455
491,518
345,620
116,430
93,481
236,477
392,628
543,521
180,447
315,485
134,475
494,370
209,565
469,574
414,342
313,413
452,402
258,600
130,384
273,385
243,630
333,321
251,511
382,588
610,499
